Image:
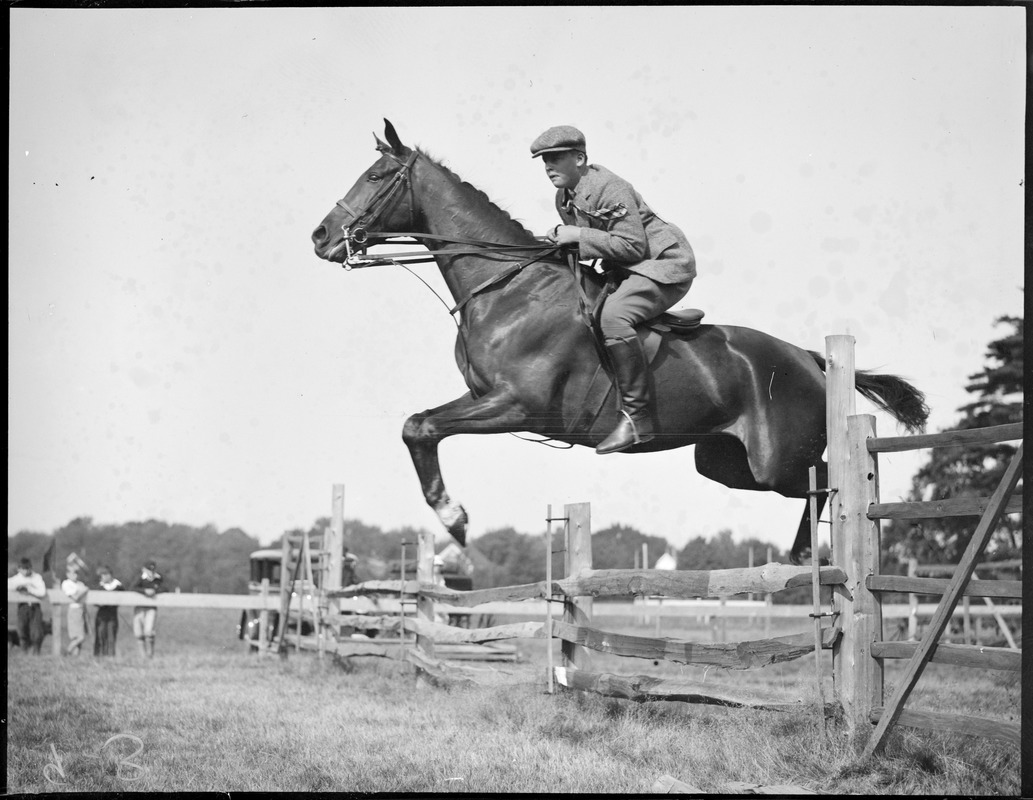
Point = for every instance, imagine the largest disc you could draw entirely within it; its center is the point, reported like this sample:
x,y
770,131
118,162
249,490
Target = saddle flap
x,y
681,321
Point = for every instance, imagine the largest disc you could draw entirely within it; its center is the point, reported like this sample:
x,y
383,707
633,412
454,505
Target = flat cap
x,y
560,137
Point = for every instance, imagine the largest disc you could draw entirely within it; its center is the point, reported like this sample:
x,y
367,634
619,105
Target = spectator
x,y
107,616
348,574
30,615
144,617
76,591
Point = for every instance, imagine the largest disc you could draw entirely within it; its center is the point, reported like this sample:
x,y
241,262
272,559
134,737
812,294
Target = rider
x,y
604,217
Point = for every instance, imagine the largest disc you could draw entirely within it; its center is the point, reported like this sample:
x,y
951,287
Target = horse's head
x,y
380,202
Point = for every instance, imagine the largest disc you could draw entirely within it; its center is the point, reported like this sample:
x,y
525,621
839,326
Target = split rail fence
x,y
574,595
856,511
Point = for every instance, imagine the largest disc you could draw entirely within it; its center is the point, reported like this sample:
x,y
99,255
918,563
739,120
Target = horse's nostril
x,y
319,235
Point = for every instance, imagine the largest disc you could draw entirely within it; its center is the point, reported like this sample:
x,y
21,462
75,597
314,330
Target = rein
x,y
539,251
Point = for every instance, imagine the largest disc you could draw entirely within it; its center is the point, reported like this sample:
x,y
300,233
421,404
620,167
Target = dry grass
x,y
211,718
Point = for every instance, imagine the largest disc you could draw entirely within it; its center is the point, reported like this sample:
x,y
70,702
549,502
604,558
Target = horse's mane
x,y
477,193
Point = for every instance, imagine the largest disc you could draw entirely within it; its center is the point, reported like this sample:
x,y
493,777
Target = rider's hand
x,y
565,235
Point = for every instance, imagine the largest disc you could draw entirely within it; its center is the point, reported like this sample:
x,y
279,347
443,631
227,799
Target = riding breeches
x,y
636,300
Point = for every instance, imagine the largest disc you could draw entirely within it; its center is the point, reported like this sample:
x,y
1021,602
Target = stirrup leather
x,y
634,429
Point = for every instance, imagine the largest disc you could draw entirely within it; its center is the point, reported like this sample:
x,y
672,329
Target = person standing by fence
x,y
30,615
78,625
106,623
144,617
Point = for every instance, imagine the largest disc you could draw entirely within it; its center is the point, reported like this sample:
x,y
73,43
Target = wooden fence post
x,y
57,613
861,674
333,544
768,601
425,575
840,404
578,556
912,599
285,593
263,620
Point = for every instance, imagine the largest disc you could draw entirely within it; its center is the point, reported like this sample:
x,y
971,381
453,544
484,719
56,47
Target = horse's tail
x,y
890,393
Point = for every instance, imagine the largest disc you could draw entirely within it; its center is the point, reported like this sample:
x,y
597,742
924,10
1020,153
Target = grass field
x,y
206,716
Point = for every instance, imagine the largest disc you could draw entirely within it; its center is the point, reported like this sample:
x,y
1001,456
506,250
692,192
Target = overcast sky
x,y
177,351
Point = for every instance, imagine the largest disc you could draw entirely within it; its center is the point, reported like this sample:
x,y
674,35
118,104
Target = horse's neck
x,y
456,211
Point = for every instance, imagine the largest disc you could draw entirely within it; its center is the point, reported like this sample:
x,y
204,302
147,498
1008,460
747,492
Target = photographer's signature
x,y
125,770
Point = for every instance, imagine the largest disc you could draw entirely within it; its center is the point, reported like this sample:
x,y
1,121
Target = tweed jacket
x,y
619,228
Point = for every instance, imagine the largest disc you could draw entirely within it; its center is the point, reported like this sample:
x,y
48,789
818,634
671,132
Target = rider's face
x,y
563,168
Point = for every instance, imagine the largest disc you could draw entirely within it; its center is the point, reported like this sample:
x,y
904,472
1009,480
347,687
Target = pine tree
x,y
971,470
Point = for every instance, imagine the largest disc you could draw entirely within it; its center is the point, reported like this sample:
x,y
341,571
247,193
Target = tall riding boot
x,y
150,647
142,646
632,376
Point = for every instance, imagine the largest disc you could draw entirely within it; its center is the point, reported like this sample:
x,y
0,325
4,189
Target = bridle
x,y
385,198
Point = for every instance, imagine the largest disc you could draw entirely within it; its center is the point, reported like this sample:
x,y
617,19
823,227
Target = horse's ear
x,y
382,146
392,138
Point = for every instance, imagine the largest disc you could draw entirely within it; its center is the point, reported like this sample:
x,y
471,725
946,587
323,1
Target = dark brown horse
x,y
753,406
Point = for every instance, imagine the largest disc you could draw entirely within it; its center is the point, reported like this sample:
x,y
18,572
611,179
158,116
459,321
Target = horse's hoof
x,y
453,517
458,528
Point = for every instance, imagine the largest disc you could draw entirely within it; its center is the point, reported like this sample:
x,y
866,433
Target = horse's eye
x,y
373,177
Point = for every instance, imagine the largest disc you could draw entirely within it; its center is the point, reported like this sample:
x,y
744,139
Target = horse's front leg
x,y
495,412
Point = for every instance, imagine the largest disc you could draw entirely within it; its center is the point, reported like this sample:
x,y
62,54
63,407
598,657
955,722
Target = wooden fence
x,y
856,512
96,597
574,594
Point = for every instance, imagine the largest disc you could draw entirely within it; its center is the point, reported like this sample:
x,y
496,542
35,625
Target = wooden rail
x,y
985,566
737,655
98,597
956,723
960,655
685,584
936,509
991,435
1011,590
643,688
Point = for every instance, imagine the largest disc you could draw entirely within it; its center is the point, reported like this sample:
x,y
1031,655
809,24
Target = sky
x,y
178,352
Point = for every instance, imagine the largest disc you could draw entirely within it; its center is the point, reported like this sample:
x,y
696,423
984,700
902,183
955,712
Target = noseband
x,y
385,198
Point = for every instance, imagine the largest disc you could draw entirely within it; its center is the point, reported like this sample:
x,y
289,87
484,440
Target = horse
x,y
752,405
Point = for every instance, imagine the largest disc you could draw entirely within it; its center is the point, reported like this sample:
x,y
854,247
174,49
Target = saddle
x,y
684,320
